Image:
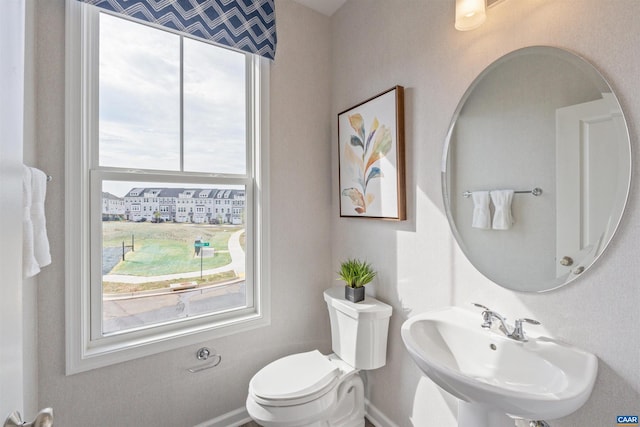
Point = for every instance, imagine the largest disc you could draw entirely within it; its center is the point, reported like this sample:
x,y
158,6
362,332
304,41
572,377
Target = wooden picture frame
x,y
371,158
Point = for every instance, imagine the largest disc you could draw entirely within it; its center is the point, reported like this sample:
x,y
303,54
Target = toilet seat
x,y
294,380
315,390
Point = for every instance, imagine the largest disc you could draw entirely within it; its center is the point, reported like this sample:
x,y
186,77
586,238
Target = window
x,y
164,124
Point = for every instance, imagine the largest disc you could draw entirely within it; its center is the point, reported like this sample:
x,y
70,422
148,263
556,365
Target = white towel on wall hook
x,y
481,212
502,217
38,193
29,263
35,243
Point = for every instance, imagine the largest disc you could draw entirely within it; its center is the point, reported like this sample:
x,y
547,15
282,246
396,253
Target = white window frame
x,y
84,351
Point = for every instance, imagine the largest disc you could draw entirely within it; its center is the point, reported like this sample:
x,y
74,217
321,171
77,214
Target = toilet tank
x,y
358,330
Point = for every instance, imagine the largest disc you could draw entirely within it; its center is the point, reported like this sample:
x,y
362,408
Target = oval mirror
x,y
536,169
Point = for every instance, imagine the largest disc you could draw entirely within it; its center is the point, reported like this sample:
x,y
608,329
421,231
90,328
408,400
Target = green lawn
x,y
166,248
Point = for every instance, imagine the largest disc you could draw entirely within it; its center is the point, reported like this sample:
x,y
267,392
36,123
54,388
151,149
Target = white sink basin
x,y
536,380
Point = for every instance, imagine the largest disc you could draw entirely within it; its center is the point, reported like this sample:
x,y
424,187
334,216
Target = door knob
x,y
43,419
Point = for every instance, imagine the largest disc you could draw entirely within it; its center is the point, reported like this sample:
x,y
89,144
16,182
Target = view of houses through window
x,y
170,252
177,108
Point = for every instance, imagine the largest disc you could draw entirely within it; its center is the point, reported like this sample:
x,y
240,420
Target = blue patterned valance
x,y
248,25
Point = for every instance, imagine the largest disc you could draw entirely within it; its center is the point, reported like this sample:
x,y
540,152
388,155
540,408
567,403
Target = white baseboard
x,y
234,418
376,417
240,416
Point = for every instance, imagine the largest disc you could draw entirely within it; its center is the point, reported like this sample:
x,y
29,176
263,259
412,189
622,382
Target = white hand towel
x,y
29,263
40,239
502,217
481,212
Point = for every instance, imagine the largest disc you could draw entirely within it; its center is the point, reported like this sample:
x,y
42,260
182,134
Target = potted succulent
x,y
355,274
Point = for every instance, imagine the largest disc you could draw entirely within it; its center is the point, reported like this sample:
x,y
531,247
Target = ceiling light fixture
x,y
470,14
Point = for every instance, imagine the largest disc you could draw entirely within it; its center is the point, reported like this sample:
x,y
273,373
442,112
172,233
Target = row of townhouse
x,y
194,205
112,206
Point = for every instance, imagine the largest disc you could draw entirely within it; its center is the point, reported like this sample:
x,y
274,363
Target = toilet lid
x,y
294,377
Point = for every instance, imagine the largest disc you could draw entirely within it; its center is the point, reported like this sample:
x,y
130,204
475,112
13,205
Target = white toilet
x,y
314,390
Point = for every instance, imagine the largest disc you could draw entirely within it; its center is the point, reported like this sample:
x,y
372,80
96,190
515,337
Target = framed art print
x,y
371,158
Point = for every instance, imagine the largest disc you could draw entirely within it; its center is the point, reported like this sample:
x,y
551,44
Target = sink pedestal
x,y
475,415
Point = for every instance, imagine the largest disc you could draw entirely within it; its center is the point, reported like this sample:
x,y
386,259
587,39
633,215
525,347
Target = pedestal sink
x,y
495,377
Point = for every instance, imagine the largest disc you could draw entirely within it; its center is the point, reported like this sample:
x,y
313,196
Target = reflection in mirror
x,y
539,117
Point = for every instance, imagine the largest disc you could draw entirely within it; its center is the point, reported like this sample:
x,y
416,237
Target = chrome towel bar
x,y
536,192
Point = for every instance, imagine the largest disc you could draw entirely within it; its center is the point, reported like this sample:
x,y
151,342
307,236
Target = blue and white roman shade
x,y
248,25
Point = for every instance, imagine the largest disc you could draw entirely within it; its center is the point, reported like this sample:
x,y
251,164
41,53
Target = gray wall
x,y
157,390
324,66
379,43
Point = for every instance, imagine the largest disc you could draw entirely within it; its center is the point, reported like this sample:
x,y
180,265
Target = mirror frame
x,y
572,56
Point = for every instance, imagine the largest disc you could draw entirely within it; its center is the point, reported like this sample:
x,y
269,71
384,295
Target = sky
x,y
139,105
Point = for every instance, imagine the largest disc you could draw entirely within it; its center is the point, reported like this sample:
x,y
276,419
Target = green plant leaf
x,y
356,273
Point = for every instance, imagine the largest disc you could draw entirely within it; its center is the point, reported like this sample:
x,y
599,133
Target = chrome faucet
x,y
517,333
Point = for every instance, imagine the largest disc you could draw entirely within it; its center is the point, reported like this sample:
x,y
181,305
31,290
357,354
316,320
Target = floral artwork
x,y
365,163
372,158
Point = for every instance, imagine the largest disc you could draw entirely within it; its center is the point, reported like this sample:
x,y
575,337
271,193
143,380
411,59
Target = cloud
x,y
140,101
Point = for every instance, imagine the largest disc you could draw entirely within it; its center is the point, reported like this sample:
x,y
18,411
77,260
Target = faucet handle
x,y
525,320
487,319
518,330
